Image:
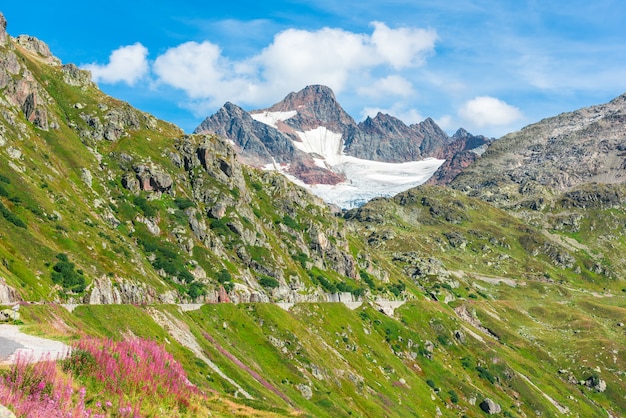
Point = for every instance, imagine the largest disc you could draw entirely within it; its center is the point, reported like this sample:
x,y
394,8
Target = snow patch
x,y
366,179
322,142
272,118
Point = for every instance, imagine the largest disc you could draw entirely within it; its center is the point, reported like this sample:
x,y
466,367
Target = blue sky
x,y
488,66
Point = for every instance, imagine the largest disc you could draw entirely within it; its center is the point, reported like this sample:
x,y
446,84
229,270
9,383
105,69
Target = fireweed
x,y
100,378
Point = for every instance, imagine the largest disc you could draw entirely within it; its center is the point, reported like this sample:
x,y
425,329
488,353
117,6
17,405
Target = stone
x,y
86,176
8,294
490,407
74,76
305,390
9,315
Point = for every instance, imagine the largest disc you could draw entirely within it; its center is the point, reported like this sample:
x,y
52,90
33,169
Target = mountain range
x,y
501,292
309,137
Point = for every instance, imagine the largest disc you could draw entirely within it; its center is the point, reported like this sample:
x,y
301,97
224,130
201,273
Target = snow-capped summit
x,y
311,139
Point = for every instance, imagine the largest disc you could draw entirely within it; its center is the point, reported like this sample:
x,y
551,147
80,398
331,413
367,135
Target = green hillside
x,y
126,217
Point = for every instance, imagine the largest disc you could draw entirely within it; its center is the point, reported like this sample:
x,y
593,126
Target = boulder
x,y
490,407
9,315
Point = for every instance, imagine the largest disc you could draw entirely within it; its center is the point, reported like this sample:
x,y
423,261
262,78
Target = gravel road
x,y
13,341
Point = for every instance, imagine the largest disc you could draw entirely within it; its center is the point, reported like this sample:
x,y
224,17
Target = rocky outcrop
x,y
74,76
4,36
8,294
103,290
556,155
39,48
461,151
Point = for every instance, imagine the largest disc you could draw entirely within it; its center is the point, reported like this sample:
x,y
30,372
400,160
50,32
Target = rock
x,y
305,390
9,315
595,383
103,292
3,30
8,294
490,407
74,76
38,47
459,335
131,183
151,178
86,176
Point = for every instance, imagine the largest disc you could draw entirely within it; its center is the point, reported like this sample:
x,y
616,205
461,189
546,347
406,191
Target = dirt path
x,y
14,342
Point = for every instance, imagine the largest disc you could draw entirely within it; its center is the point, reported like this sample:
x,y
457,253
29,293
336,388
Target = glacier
x,y
365,179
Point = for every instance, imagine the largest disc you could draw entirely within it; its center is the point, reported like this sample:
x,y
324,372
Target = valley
x,y
496,288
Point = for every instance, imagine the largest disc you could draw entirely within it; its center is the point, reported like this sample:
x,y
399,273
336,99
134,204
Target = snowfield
x,y
366,179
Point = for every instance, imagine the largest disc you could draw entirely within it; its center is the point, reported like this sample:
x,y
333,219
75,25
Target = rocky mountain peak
x,y
316,106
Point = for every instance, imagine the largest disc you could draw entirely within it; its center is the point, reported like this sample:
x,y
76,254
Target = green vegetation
x,y
65,274
518,305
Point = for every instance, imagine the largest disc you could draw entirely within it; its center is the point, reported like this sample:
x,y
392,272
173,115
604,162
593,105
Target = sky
x,y
489,66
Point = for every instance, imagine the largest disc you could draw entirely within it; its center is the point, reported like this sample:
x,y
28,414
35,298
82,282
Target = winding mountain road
x,y
13,342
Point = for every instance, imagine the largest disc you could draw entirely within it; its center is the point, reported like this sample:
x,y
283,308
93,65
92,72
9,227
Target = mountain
x,y
555,155
118,227
309,137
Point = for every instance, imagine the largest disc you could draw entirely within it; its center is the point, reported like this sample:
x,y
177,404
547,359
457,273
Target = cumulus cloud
x,y
403,47
296,58
489,111
393,85
127,64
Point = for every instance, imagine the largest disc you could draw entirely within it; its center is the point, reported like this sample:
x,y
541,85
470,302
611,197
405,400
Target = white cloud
x,y
403,47
127,64
295,58
393,85
446,122
489,111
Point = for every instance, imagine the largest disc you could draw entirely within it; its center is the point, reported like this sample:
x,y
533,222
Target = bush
x,y
291,223
11,217
367,279
196,290
64,273
269,282
142,203
454,398
183,203
484,373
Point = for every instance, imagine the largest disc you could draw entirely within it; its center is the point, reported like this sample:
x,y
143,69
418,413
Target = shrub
x,y
196,290
269,282
64,273
291,223
142,203
484,373
454,397
183,203
11,217
367,279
